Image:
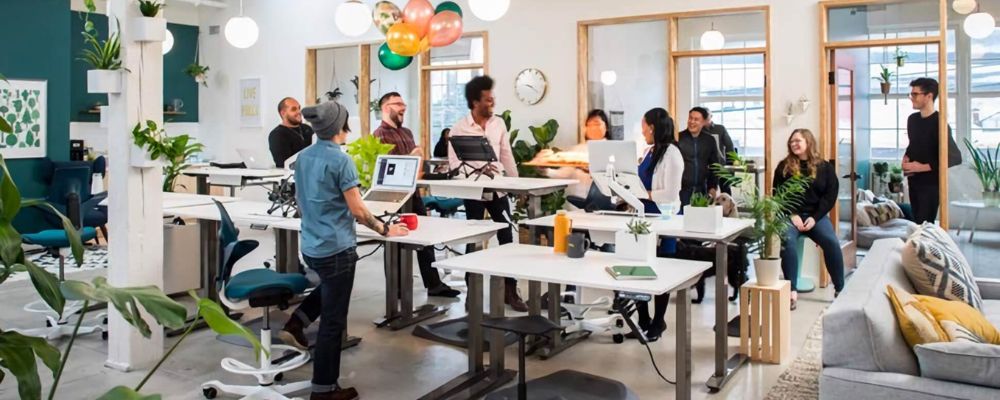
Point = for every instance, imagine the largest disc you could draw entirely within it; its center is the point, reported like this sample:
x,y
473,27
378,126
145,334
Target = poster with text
x,y
250,103
23,107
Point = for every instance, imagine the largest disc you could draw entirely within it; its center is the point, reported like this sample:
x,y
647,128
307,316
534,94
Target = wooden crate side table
x,y
765,321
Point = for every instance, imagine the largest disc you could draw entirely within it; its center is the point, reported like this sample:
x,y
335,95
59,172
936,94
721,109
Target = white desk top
x,y
539,263
242,212
177,200
674,227
241,172
503,184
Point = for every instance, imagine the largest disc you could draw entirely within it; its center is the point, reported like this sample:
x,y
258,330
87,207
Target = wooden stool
x,y
765,321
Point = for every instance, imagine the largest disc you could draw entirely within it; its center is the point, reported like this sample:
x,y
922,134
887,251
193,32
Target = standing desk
x,y
472,189
602,228
232,177
540,264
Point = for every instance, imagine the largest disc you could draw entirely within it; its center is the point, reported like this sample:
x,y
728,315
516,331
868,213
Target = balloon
x,y
386,15
392,61
449,6
418,13
446,28
403,39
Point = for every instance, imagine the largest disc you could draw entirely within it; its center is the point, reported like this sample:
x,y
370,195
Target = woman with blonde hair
x,y
810,217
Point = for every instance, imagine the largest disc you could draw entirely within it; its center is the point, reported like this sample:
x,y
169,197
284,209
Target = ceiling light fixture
x,y
489,10
712,39
963,6
353,18
241,31
168,42
608,78
979,25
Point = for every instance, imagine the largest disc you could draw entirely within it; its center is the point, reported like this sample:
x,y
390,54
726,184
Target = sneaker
x,y
293,334
339,394
443,290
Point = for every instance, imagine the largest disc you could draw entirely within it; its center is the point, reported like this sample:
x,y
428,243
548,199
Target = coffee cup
x,y
410,220
577,245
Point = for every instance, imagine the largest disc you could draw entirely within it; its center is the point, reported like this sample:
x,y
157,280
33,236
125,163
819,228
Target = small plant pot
x,y
896,187
991,199
766,271
789,118
139,158
149,29
104,81
900,62
635,247
703,219
886,88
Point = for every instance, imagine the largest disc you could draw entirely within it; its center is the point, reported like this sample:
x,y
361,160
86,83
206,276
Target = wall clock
x,y
530,86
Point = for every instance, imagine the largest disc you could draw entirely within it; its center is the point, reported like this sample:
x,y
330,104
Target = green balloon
x,y
392,61
449,6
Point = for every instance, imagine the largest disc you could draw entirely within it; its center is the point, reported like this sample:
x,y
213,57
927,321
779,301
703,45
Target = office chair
x,y
256,288
66,177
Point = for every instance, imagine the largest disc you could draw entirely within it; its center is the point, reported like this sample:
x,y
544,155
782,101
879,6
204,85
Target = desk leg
x,y
201,184
391,284
534,206
683,354
399,291
287,252
723,369
497,342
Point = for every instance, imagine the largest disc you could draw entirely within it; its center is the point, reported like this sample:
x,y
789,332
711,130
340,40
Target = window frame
x,y
425,85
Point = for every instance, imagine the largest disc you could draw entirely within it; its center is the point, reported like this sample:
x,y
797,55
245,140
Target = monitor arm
x,y
618,190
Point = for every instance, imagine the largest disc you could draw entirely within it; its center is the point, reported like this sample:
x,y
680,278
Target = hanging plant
x,y
900,57
885,80
198,72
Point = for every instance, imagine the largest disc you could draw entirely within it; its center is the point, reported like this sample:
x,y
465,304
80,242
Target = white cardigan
x,y
667,177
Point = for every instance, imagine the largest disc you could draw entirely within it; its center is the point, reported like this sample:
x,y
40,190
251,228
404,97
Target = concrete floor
x,y
397,365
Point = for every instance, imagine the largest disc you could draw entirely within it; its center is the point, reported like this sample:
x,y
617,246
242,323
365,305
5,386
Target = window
x,y
984,93
449,69
732,88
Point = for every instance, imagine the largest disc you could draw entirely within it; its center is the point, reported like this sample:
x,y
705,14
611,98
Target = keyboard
x,y
387,197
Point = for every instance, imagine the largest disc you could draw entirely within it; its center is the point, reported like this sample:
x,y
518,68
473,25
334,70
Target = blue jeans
x,y
826,238
334,292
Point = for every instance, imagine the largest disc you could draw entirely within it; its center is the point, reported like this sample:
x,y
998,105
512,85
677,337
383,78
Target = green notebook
x,y
631,272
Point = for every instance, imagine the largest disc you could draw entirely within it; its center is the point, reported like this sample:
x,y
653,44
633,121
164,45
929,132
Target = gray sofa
x,y
864,354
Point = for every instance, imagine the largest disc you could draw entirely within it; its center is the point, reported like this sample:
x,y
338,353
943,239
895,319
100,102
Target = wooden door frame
x,y
835,102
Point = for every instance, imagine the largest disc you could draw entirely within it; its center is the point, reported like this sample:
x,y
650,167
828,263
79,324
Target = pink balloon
x,y
445,29
419,13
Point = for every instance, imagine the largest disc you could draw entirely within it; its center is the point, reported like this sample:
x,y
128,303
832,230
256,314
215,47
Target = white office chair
x,y
259,287
613,324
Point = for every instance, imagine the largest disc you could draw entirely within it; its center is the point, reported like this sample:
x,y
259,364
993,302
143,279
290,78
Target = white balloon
x,y
963,6
353,18
241,32
712,40
979,25
489,10
168,42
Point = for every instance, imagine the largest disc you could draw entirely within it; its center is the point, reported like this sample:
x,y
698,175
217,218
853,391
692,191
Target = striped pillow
x,y
937,268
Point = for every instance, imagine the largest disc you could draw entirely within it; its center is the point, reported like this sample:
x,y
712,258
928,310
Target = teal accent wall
x,y
176,83
36,45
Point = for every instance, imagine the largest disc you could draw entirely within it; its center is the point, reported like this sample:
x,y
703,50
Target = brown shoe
x,y
513,299
339,394
293,334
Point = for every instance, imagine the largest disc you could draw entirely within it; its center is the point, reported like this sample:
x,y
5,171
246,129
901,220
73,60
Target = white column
x,y
135,215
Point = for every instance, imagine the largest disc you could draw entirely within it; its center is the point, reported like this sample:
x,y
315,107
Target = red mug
x,y
410,220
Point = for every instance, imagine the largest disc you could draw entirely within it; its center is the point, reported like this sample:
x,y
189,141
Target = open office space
x,y
499,199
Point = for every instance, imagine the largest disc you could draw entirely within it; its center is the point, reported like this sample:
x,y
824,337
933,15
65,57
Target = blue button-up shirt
x,y
323,172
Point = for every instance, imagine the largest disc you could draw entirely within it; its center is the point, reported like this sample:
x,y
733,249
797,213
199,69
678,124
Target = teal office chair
x,y
803,284
256,288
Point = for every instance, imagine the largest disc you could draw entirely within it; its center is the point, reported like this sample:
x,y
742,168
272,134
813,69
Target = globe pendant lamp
x,y
168,42
712,39
489,10
241,31
979,25
608,78
963,6
353,18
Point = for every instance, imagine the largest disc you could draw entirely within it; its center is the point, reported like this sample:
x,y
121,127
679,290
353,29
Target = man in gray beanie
x,y
329,202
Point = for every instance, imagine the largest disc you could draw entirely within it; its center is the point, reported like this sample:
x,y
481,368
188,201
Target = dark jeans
x,y
499,209
924,200
826,238
330,300
425,256
667,248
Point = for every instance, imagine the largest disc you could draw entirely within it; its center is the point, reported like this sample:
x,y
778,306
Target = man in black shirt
x,y
726,146
920,161
291,136
700,151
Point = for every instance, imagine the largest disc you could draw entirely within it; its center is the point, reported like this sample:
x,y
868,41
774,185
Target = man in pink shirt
x,y
482,122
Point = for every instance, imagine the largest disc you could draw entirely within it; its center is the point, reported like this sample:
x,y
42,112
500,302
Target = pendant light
x,y
489,10
168,42
353,18
608,78
712,39
963,6
241,31
979,25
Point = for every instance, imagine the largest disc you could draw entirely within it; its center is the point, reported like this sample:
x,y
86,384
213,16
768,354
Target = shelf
x,y
94,112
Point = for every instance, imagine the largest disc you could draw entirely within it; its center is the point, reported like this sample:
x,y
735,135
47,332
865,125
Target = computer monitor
x,y
473,148
622,155
396,173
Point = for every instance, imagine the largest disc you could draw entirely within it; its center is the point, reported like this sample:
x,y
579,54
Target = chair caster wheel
x,y
48,324
209,392
279,377
104,335
619,339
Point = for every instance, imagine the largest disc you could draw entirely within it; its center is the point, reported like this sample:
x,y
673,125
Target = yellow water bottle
x,y
560,231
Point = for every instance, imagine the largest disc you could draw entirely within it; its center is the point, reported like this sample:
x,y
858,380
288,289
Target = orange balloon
x,y
446,28
403,39
419,14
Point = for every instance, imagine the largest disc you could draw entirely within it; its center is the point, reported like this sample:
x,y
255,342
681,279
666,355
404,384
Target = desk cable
x,y
626,308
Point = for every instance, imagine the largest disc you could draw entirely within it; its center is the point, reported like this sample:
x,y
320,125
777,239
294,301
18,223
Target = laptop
x,y
256,158
393,182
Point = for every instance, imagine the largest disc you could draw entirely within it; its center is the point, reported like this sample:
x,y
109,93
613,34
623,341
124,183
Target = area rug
x,y
801,380
94,257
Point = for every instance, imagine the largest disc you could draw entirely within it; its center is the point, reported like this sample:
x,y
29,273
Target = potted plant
x,y
900,57
104,57
885,81
177,150
150,27
365,152
881,172
986,163
701,215
896,179
636,241
198,72
149,145
544,135
771,215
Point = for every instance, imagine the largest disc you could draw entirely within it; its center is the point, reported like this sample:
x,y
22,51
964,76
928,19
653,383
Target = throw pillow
x,y
968,320
862,214
966,362
915,321
881,213
937,268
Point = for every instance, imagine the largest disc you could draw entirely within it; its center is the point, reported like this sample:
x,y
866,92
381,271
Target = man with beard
x,y
391,131
291,136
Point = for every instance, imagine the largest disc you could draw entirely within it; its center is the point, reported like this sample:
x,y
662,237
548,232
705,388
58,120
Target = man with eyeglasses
x,y
391,131
920,161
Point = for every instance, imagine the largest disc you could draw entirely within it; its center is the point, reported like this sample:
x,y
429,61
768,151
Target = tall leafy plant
x,y
102,54
523,152
174,150
365,152
986,163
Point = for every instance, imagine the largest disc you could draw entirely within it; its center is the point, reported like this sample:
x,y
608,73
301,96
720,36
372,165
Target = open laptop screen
x,y
396,173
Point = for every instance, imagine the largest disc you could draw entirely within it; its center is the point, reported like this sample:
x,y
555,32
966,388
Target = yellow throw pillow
x,y
962,314
915,321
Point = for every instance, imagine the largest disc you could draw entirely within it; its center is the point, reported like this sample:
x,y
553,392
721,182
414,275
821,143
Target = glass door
x,y
846,161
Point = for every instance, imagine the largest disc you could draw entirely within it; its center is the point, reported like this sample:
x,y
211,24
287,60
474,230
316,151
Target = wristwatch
x,y
385,229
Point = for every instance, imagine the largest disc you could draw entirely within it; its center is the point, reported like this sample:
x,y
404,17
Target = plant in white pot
x,y
986,163
701,215
150,27
636,242
771,215
104,57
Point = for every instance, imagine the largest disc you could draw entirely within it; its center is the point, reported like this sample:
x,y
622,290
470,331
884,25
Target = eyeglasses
x,y
915,94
